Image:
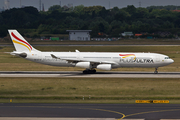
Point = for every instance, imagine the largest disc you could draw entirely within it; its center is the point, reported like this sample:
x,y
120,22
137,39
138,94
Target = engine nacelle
x,y
104,67
83,64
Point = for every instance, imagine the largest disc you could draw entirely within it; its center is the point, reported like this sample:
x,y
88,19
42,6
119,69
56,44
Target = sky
x,y
105,3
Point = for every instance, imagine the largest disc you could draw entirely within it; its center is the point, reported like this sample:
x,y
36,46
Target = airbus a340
x,y
88,60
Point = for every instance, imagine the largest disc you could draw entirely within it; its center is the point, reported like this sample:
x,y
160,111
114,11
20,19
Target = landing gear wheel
x,y
85,72
93,71
89,71
156,71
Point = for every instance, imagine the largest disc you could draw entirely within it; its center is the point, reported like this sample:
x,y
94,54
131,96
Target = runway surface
x,y
116,111
73,74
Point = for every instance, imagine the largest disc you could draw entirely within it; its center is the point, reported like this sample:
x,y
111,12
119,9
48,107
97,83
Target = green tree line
x,y
110,22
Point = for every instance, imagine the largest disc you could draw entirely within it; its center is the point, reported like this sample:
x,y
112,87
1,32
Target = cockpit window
x,y
166,58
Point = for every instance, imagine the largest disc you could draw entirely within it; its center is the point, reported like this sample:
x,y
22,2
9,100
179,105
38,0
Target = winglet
x,y
77,50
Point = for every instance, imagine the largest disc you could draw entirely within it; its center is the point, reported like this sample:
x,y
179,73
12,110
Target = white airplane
x,y
88,60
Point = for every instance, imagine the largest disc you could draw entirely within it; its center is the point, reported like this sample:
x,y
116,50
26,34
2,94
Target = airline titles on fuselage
x,y
137,60
131,58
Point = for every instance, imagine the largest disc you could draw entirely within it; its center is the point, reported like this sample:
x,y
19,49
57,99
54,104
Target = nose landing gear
x,y
156,71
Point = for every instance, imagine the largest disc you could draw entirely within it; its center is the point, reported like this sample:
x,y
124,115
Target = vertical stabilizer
x,y
20,44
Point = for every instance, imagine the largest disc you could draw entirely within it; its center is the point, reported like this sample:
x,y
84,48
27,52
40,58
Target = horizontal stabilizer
x,y
20,54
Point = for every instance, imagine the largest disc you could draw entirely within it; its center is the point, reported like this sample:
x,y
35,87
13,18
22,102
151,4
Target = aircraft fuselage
x,y
145,60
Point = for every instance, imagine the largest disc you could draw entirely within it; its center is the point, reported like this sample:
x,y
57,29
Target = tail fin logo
x,y
21,42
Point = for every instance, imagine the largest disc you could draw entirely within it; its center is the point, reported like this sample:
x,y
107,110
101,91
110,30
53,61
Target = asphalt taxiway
x,y
111,111
111,74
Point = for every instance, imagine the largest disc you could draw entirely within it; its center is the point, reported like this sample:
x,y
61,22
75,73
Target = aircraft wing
x,y
79,60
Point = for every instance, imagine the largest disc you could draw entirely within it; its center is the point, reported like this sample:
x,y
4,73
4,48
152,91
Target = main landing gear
x,y
89,71
156,71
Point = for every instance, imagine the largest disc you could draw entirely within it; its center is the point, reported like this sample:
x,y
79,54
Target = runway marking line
x,y
108,111
150,112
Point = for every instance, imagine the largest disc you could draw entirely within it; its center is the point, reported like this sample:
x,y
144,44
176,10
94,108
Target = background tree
x,y
79,9
55,7
112,22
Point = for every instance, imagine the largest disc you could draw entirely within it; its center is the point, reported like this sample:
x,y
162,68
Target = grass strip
x,y
118,42
91,98
103,90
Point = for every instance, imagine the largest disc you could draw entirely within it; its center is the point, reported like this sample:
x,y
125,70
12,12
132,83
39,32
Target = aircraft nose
x,y
171,60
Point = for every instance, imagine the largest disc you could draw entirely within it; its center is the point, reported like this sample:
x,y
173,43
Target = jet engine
x,y
83,65
104,67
